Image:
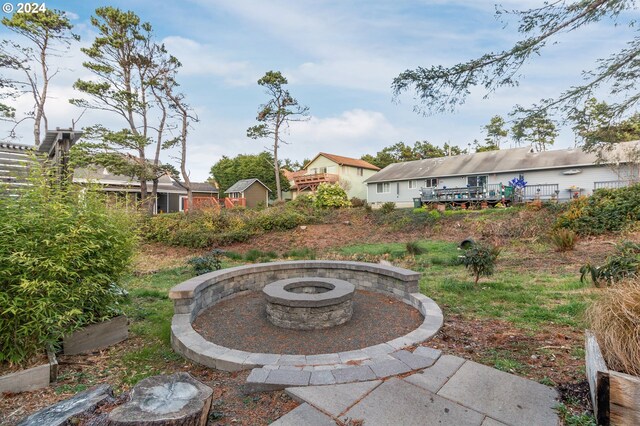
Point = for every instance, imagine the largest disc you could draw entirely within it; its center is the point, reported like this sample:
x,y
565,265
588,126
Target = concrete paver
x,y
396,402
333,399
433,378
504,397
304,415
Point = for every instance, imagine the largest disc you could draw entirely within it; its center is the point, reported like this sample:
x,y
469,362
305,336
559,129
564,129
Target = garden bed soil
x,y
241,323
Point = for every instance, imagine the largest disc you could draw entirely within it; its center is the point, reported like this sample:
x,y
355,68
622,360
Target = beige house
x,y
350,173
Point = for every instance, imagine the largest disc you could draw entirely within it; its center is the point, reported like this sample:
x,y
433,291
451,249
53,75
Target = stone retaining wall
x,y
198,293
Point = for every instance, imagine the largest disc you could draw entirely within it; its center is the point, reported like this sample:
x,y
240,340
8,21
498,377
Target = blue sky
x,y
340,58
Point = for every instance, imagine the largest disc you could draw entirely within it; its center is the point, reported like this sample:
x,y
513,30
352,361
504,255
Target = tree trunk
x,y
175,400
276,166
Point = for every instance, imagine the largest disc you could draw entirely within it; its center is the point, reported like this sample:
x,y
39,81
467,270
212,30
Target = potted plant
x,y
612,345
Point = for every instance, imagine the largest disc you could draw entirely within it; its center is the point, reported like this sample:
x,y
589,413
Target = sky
x,y
340,58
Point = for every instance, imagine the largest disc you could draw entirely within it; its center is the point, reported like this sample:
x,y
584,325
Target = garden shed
x,y
247,193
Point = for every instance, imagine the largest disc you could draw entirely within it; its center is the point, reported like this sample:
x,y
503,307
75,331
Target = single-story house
x,y
172,197
558,174
350,173
247,193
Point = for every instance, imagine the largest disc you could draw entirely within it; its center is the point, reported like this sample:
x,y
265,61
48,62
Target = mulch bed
x,y
241,323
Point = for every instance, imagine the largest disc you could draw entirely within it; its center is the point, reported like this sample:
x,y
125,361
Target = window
x,y
183,203
477,181
382,188
360,171
413,184
431,182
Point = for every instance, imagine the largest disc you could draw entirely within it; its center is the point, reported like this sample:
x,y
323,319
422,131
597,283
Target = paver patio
x,y
453,391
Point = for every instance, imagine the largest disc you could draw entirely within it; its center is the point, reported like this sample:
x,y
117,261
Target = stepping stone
x,y
504,397
416,362
488,421
359,373
428,352
304,415
434,377
396,402
389,367
333,399
65,411
322,377
287,378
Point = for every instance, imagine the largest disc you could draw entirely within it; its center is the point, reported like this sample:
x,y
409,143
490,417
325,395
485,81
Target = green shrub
x,y
414,249
434,214
564,239
62,253
278,219
624,263
331,195
208,263
606,210
480,260
303,200
388,207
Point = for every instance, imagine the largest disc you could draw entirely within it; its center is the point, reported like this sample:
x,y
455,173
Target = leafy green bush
x,y
564,239
62,253
274,219
210,262
434,214
331,195
624,263
388,207
480,259
606,210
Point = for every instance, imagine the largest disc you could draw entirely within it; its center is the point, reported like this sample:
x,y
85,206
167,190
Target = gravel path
x,y
241,323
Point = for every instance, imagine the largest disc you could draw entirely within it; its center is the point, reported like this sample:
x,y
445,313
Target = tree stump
x,y
175,400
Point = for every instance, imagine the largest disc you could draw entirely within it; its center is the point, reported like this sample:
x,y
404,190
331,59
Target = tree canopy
x,y
274,118
228,171
43,34
401,152
441,89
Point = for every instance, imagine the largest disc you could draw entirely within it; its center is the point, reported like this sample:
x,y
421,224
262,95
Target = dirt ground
x,y
546,355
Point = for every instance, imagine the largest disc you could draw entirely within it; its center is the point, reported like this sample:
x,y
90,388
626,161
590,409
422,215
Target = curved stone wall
x,y
192,296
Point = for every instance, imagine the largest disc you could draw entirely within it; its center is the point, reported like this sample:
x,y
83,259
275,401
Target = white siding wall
x,y
400,193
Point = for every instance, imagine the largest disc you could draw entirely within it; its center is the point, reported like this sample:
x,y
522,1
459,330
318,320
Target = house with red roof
x,y
349,173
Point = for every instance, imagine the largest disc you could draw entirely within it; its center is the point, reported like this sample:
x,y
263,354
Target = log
x,y
598,378
70,410
624,399
175,400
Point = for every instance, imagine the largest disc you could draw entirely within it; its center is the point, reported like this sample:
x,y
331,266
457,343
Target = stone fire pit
x,y
309,303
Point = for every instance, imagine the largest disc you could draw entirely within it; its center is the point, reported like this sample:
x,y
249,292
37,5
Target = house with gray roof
x,y
247,193
558,174
172,196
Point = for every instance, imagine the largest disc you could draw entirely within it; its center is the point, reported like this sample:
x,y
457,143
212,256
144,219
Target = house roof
x,y
243,184
102,176
345,161
501,161
290,175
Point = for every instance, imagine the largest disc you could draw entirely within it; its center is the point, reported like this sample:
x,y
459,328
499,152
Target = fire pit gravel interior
x,y
309,303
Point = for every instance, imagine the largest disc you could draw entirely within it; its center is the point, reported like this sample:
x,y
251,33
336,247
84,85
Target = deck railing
x,y
235,202
546,190
611,184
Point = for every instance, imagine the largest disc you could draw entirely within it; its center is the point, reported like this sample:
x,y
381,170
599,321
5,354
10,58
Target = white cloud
x,y
202,59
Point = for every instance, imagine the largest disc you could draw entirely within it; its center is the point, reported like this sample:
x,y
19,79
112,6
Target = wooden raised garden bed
x,y
37,377
615,396
96,336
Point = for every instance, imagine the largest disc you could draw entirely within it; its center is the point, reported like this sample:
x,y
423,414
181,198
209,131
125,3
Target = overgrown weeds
x,y
563,239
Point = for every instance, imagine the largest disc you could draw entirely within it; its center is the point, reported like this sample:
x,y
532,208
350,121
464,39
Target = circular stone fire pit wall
x,y
198,293
309,303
